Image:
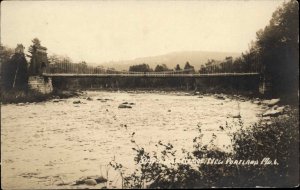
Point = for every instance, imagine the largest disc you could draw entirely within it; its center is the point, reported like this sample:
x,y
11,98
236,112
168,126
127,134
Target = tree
x,y
14,69
5,54
161,68
187,66
38,57
140,68
278,46
177,68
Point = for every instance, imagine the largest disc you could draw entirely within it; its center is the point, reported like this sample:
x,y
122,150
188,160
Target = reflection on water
x,y
58,140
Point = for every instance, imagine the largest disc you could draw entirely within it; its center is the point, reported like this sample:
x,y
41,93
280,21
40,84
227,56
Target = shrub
x,y
277,141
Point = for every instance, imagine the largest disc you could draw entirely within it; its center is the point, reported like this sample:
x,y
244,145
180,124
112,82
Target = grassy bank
x,y
265,155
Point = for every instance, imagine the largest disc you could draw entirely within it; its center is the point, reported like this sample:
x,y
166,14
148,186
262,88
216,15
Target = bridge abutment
x,y
40,84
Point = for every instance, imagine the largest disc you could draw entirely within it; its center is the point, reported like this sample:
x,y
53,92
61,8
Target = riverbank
x,y
265,155
21,96
30,96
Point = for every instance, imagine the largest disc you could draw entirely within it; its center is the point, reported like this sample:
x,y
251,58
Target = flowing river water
x,y
47,142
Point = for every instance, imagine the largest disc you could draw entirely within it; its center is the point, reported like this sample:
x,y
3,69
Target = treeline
x,y
161,68
64,64
231,65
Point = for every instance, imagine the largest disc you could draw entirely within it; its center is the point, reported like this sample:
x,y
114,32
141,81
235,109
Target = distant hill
x,y
195,58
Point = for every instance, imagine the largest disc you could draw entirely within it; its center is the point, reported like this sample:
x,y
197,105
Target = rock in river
x,y
273,112
236,116
90,182
271,102
77,102
220,97
124,106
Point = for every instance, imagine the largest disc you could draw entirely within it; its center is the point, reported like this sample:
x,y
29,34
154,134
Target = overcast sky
x,y
99,31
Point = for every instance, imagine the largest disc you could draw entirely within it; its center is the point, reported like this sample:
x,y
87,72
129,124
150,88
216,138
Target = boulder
x,y
89,98
124,106
77,102
59,183
267,118
79,182
55,100
98,179
271,102
257,102
280,109
220,97
273,112
90,182
236,116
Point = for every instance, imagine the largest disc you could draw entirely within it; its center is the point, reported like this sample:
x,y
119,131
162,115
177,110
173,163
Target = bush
x,y
18,96
278,141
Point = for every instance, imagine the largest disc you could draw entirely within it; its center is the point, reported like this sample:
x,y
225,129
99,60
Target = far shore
x,y
31,96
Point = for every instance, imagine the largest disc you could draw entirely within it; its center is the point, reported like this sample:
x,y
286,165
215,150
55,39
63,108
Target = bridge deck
x,y
150,75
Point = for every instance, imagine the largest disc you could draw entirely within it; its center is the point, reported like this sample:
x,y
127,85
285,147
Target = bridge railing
x,y
69,69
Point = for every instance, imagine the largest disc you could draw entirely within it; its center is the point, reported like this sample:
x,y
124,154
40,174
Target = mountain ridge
x,y
195,58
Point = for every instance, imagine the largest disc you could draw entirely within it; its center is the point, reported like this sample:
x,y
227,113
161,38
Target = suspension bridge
x,y
71,71
113,78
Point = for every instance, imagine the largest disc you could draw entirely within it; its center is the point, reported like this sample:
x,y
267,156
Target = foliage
x,y
5,53
161,68
277,141
140,68
278,46
29,95
22,96
38,57
187,66
177,68
275,53
13,70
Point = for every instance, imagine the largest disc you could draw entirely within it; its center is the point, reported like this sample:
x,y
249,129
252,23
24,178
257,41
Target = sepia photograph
x,y
126,94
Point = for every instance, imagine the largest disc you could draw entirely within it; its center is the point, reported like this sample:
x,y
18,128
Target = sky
x,y
103,31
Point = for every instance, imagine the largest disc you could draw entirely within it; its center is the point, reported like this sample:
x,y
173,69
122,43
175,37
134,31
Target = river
x,y
47,142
